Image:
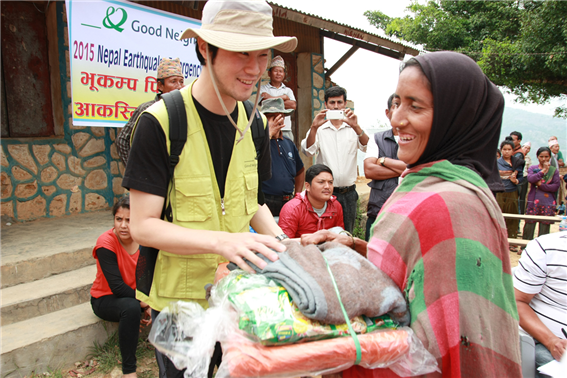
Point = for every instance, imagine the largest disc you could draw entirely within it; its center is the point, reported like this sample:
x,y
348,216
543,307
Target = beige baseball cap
x,y
239,26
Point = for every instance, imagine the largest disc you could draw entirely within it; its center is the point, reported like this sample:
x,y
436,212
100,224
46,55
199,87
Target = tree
x,y
521,45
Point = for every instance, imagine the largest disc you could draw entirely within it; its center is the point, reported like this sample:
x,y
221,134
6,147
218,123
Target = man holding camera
x,y
335,137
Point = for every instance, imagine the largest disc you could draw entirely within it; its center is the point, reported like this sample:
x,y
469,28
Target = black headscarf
x,y
467,115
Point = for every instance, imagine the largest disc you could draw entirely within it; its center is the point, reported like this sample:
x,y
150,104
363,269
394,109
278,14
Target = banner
x,y
115,48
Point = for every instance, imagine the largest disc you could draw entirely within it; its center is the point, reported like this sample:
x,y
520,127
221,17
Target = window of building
x,y
26,89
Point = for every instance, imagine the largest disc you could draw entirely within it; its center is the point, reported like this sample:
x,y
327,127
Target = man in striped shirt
x,y
540,286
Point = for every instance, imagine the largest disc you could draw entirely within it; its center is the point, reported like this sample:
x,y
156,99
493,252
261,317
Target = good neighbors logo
x,y
116,17
108,22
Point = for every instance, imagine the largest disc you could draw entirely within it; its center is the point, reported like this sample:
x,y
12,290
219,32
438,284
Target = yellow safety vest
x,y
196,204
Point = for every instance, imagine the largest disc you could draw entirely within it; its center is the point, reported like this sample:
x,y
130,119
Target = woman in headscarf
x,y
544,182
441,236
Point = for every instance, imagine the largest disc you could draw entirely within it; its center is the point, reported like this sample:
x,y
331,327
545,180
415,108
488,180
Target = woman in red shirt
x,y
113,294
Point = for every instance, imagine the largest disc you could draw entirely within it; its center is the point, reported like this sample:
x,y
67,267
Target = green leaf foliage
x,y
521,45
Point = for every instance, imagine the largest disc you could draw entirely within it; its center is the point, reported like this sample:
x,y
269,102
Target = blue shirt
x,y
509,186
285,165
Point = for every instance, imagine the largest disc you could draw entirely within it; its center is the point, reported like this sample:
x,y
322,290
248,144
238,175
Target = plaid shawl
x,y
441,237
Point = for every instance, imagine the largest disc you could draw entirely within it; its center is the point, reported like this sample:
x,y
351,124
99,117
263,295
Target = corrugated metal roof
x,y
357,34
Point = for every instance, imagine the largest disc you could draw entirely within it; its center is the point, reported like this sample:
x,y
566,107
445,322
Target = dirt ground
x,y
147,367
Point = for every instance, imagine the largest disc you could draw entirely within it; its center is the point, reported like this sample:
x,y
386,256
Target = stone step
x,y
37,298
36,250
51,341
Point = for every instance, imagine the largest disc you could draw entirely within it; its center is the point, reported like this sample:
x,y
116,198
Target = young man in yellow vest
x,y
214,192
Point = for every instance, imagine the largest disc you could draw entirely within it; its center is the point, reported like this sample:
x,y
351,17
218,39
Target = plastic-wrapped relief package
x,y
248,311
268,313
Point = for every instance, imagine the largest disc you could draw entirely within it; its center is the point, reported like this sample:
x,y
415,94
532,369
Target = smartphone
x,y
335,114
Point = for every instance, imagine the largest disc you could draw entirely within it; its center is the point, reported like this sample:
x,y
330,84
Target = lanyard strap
x,y
352,333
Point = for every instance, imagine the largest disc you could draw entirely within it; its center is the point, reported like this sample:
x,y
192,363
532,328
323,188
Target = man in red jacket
x,y
315,208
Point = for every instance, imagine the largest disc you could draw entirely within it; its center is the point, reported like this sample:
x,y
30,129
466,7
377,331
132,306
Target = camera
x,y
335,114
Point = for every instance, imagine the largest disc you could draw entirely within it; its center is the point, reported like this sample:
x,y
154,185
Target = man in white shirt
x,y
277,89
383,167
540,286
335,143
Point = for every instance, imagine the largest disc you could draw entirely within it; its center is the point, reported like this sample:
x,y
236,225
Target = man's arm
x,y
322,236
300,180
532,324
263,222
149,230
318,121
352,121
290,104
375,171
266,95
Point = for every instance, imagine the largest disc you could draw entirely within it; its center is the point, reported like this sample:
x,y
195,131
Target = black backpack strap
x,y
177,115
177,136
257,127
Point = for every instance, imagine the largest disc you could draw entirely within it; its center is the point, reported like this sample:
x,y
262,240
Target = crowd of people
x,y
536,189
435,224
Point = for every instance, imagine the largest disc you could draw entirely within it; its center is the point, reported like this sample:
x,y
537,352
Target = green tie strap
x,y
352,333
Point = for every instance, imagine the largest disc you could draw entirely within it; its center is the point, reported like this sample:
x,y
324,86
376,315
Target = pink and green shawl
x,y
441,237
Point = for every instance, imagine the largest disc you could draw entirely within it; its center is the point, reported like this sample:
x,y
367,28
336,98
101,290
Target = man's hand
x,y
557,347
352,120
319,120
276,124
265,95
237,247
322,236
318,237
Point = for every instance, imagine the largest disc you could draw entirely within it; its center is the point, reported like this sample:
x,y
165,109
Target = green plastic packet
x,y
267,312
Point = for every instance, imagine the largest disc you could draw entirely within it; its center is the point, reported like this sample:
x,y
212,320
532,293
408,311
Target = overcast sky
x,y
368,77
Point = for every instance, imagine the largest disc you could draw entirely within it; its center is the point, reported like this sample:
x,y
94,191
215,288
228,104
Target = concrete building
x,y
52,168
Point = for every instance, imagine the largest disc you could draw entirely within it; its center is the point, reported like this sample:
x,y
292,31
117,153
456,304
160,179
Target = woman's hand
x,y
513,178
146,316
546,166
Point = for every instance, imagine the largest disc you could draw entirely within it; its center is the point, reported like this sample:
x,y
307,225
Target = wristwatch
x,y
361,134
282,237
382,160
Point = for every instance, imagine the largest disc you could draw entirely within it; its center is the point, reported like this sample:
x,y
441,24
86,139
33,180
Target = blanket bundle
x,y
364,289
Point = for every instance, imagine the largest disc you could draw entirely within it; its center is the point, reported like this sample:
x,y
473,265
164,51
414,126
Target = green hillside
x,y
535,127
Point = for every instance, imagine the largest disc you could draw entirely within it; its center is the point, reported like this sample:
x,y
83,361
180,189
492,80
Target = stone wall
x,y
50,177
75,171
311,92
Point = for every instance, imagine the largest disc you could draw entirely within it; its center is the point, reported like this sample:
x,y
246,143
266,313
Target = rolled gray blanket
x,y
364,289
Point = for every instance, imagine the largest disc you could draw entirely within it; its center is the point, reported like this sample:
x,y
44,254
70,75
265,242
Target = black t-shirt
x,y
148,162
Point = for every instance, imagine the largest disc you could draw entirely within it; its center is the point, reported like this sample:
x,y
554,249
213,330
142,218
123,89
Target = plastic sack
x,y
399,350
187,334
